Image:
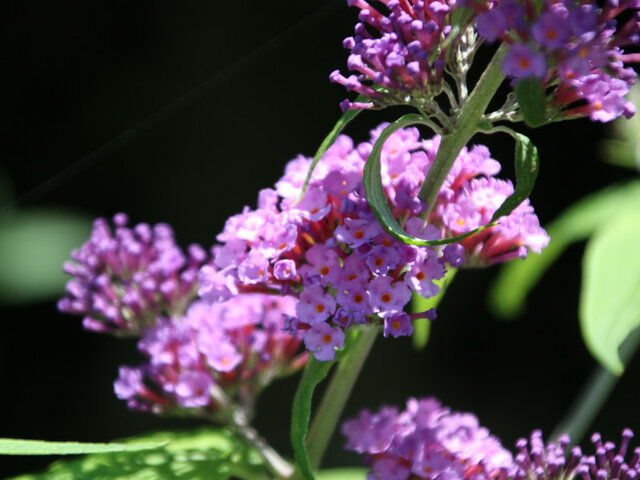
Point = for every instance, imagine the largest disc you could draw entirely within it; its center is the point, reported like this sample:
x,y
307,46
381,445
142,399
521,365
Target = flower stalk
x,y
337,393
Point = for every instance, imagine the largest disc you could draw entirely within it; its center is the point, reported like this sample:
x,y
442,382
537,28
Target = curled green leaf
x,y
531,99
375,192
527,166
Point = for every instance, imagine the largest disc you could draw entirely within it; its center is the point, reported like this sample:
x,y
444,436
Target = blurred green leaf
x,y
15,446
201,455
518,277
621,153
531,99
33,246
342,474
422,326
610,295
527,165
624,151
314,372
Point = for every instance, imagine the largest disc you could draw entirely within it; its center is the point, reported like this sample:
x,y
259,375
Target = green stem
x,y
335,397
594,394
465,124
236,419
277,465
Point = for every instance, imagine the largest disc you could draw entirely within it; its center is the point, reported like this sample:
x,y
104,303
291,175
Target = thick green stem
x,y
465,124
337,393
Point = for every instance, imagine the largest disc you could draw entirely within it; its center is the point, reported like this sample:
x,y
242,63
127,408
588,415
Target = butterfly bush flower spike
x,y
126,278
408,52
401,50
216,356
537,461
426,441
329,253
577,50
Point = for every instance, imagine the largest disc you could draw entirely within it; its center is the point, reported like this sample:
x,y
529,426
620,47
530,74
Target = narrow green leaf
x,y
314,372
422,326
199,455
342,474
531,99
516,279
610,294
328,141
375,192
13,446
527,165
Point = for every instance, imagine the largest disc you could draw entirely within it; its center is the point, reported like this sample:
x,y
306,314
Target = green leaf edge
x,y
14,446
314,372
597,341
221,445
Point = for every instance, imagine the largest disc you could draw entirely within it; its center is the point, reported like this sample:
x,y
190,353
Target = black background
x,y
77,74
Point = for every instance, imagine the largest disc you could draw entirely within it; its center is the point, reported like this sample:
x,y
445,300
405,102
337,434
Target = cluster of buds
x,y
123,280
574,47
407,59
427,441
329,251
401,52
537,461
215,357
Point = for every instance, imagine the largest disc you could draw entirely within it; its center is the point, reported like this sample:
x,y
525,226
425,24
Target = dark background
x,y
77,74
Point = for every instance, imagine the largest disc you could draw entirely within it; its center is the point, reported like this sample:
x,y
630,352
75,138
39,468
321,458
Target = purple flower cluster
x,y
408,57
469,198
329,251
575,47
123,280
216,353
426,441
